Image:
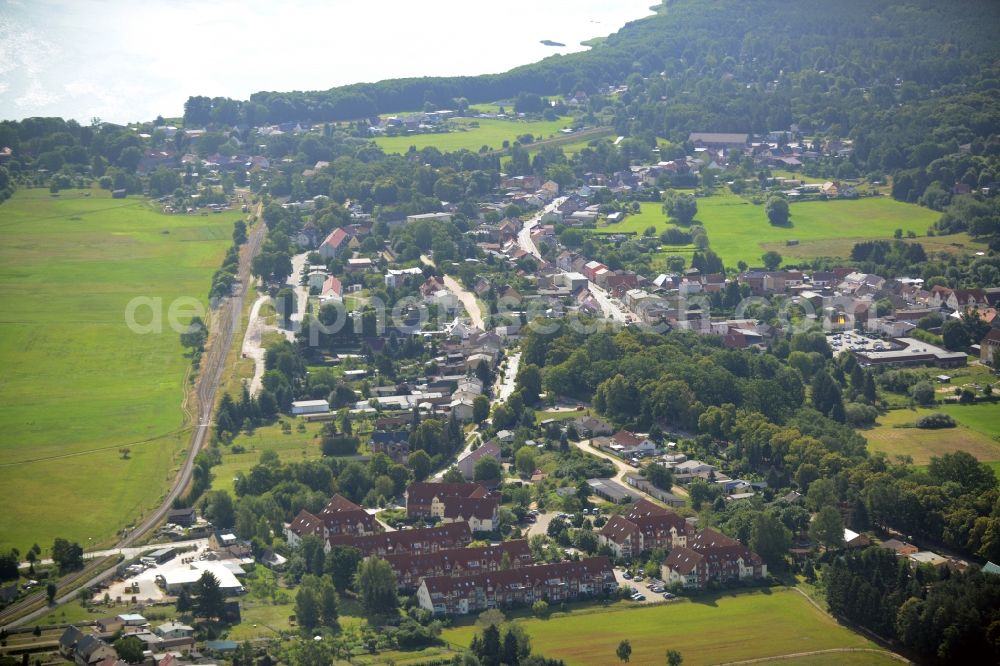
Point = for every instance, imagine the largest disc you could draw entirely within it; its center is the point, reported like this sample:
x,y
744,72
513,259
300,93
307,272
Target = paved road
x,y
622,468
608,304
227,320
465,297
524,236
252,339
468,300
505,384
610,307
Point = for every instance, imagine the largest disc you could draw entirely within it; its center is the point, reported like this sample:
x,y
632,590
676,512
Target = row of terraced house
x,y
437,563
695,558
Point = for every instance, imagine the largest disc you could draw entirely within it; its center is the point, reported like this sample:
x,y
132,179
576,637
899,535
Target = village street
x,y
465,297
621,467
256,327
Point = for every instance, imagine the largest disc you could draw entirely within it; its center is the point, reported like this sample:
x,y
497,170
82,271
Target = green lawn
x,y
490,132
977,433
708,631
739,230
77,380
291,447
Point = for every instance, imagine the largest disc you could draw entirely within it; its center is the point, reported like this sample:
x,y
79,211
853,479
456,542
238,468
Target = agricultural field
x,y
739,230
709,630
489,132
978,433
79,386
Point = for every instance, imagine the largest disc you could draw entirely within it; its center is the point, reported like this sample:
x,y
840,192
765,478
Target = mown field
x,y
77,381
978,433
490,132
708,631
739,230
293,446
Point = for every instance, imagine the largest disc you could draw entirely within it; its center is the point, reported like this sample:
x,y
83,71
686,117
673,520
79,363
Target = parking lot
x,y
854,341
642,586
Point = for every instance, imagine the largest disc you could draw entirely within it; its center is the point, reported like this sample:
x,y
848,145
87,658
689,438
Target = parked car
x,y
669,595
627,576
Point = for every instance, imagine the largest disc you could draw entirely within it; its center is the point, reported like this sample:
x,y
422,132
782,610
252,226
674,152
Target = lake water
x,y
122,60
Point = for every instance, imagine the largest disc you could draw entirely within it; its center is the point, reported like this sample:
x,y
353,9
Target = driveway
x,y
541,525
621,467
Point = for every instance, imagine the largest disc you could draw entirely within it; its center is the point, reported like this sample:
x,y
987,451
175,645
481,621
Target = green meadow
x,y
78,384
474,133
978,433
291,446
739,230
708,630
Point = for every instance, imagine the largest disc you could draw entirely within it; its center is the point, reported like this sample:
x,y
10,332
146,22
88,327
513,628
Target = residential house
x,y
479,512
84,649
332,289
420,495
174,630
334,245
395,277
423,540
711,556
627,444
989,348
182,517
412,568
644,527
591,426
467,464
339,516
393,443
554,583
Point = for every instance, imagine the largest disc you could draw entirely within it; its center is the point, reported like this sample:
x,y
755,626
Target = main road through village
x,y
227,320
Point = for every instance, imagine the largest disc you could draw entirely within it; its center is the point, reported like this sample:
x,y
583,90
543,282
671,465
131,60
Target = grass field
x,y
77,381
290,447
977,433
738,230
710,631
490,132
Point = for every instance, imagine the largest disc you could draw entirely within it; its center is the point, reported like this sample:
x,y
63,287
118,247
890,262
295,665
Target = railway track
x,y
227,322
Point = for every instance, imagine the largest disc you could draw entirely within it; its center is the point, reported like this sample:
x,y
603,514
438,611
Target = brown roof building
x,y
339,516
554,583
711,556
412,568
426,540
420,495
644,527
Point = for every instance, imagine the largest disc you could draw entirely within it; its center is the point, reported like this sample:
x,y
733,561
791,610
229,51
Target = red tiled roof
x,y
339,503
683,560
423,492
306,523
334,285
419,564
626,438
336,238
483,508
404,541
525,576
619,529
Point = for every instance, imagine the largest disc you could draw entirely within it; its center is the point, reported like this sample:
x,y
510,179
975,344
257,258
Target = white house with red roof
x,y
334,244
